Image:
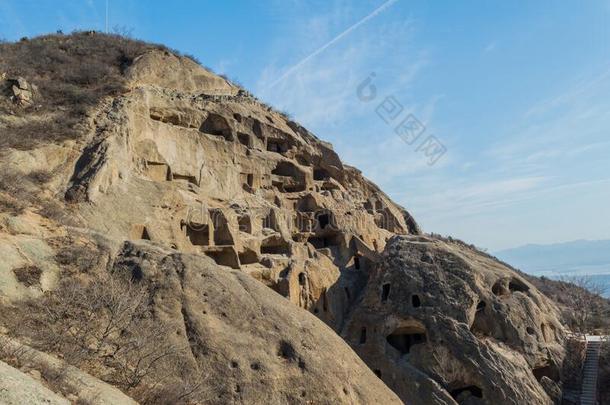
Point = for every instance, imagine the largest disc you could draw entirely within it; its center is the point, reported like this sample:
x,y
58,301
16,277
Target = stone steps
x,y
588,392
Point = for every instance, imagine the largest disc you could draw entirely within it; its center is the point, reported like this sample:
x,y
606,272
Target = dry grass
x,y
72,73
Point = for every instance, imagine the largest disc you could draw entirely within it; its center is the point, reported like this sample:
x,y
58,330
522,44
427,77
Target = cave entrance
x,y
217,125
275,246
225,256
323,220
320,174
385,292
517,285
248,256
198,234
289,178
549,371
277,145
244,139
321,242
404,338
222,232
482,323
245,224
499,288
462,394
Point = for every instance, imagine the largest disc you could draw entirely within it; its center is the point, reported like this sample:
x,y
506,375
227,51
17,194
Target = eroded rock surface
x,y
443,316
226,176
233,216
251,346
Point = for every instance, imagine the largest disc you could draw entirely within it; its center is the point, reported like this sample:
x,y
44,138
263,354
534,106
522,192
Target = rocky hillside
x,y
166,233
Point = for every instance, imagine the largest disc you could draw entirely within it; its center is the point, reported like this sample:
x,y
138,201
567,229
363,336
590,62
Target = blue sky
x,y
518,92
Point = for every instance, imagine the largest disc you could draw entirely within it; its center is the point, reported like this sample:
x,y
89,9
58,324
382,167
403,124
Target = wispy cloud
x,y
321,91
332,42
571,123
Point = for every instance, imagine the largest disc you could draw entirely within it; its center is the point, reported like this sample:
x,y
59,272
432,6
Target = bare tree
x,y
589,307
102,322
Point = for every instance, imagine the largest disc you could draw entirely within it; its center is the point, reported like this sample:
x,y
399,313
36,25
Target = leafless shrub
x,y
20,191
123,31
591,311
76,257
585,309
14,196
194,59
191,387
585,282
39,176
89,319
103,325
18,356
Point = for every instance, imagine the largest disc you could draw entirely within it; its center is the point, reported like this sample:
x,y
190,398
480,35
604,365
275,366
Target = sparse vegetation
x,y
585,310
102,324
77,258
72,74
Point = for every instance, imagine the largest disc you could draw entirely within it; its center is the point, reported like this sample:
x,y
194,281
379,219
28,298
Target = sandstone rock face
x,y
228,177
64,380
164,69
439,320
232,217
17,388
253,347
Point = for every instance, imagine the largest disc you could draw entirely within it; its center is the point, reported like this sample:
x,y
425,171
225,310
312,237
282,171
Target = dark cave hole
x,y
471,390
385,292
363,335
402,339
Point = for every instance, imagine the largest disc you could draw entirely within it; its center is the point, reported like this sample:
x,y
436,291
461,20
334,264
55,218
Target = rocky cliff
x,y
183,222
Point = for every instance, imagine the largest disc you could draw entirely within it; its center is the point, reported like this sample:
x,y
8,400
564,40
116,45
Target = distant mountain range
x,y
580,257
576,256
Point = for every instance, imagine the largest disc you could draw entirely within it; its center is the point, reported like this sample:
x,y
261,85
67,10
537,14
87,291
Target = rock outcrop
x,y
439,320
231,216
236,181
250,345
18,90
